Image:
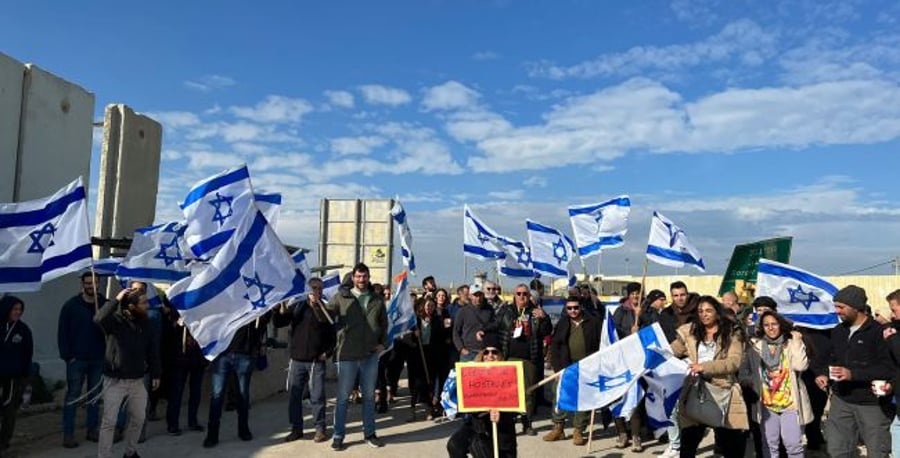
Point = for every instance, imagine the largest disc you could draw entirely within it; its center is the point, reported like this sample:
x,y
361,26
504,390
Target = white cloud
x,y
275,109
828,57
449,96
514,194
342,99
356,145
485,55
742,42
644,115
383,95
535,181
175,119
209,83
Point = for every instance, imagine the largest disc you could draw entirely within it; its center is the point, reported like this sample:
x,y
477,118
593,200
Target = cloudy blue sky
x,y
739,120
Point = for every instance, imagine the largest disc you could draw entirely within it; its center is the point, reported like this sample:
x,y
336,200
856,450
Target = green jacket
x,y
358,331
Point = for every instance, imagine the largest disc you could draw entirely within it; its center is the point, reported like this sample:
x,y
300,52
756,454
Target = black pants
x,y
11,393
466,441
181,376
395,365
732,441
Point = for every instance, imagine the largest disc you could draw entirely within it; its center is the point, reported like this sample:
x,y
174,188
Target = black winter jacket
x,y
559,343
311,333
17,345
131,348
867,356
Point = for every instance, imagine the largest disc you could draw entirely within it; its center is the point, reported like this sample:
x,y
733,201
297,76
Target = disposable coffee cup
x,y
879,387
447,322
831,372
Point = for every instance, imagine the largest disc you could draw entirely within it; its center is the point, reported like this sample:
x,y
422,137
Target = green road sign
x,y
745,260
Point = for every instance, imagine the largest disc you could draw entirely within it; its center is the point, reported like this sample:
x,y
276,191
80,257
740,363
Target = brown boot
x,y
636,445
578,437
555,434
622,441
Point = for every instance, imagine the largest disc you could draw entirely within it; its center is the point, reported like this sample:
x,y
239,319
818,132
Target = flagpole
x,y
496,444
591,431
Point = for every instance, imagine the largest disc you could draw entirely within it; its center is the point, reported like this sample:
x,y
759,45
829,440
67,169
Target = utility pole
x,y
897,265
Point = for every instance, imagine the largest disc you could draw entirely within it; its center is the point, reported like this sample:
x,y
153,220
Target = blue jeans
x,y
895,437
307,375
367,370
243,366
77,371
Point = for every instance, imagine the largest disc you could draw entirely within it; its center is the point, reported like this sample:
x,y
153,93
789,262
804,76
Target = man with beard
x,y
82,347
492,295
131,351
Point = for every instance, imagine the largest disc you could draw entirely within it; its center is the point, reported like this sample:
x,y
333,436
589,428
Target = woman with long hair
x,y
435,336
715,353
475,437
776,357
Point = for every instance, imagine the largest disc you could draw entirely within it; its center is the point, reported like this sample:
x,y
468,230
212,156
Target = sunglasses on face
x,y
491,351
490,289
520,293
573,309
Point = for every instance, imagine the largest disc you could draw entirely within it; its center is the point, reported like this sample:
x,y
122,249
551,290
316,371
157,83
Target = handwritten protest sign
x,y
488,386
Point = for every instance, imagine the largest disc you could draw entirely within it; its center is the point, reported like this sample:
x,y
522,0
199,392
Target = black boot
x,y
526,426
212,436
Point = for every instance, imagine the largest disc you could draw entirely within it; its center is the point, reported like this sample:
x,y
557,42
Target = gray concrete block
x,y
12,72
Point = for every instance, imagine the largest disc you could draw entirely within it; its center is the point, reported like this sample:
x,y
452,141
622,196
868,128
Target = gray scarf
x,y
771,352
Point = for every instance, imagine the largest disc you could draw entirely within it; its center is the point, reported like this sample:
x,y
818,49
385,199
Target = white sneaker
x,y
670,453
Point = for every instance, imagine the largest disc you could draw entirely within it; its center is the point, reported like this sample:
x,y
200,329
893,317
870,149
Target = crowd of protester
x,y
770,379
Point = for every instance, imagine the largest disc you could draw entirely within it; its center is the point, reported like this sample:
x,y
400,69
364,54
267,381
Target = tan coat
x,y
796,353
722,372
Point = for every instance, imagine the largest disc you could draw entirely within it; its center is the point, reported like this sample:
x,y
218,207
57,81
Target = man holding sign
x,y
485,388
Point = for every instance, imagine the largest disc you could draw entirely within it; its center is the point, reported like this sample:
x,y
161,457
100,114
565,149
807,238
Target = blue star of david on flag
x,y
261,287
523,256
802,297
218,203
604,383
673,233
38,236
559,252
164,252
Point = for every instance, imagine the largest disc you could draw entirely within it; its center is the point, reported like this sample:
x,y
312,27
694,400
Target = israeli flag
x,y
106,266
669,246
600,226
626,406
251,273
399,216
302,264
269,203
448,395
330,285
517,262
480,241
608,334
601,378
400,312
663,390
154,300
551,250
44,239
157,253
214,206
802,297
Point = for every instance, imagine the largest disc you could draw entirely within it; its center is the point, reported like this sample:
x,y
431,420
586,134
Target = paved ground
x,y
38,436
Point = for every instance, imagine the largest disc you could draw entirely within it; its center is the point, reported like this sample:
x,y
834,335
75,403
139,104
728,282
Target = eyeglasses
x,y
520,293
490,289
490,351
573,309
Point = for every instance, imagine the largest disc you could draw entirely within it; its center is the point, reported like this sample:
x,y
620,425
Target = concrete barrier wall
x,y
11,74
54,147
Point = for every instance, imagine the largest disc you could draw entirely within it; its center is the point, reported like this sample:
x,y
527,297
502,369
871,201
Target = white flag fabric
x,y
517,262
251,273
43,239
608,334
802,297
551,250
629,402
669,246
330,285
401,313
600,226
213,207
157,253
663,390
302,264
480,241
399,215
269,203
603,377
448,395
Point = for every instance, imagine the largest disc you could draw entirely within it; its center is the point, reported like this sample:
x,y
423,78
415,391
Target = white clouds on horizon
x,y
342,99
449,96
356,145
274,109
